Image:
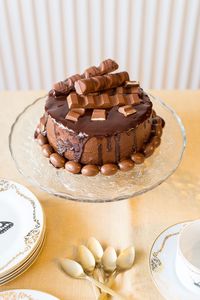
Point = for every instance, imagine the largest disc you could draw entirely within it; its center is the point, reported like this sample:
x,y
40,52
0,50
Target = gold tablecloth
x,y
120,224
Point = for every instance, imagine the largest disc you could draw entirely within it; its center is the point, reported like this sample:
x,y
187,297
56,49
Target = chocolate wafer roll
x,y
91,72
99,83
60,86
67,85
105,67
71,80
108,66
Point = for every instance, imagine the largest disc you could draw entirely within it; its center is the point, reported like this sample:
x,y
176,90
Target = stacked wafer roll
x,y
107,66
97,89
100,83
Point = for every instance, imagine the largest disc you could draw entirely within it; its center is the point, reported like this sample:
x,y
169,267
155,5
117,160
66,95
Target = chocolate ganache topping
x,y
57,108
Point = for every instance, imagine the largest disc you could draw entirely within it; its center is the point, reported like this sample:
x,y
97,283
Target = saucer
x,y
163,268
26,295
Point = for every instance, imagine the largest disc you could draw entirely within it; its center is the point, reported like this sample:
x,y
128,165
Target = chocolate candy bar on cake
x,y
98,122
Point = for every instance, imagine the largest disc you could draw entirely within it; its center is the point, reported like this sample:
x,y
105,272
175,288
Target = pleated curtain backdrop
x,y
43,41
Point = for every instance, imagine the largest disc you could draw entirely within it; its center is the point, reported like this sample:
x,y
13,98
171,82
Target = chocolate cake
x,y
98,122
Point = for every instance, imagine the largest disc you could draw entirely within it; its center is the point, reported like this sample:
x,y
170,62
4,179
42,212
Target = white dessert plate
x,y
26,295
21,225
162,265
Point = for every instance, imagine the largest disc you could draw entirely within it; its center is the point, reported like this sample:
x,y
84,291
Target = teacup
x,y
188,256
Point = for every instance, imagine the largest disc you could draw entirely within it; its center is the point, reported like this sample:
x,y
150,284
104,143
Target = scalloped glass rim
x,y
30,162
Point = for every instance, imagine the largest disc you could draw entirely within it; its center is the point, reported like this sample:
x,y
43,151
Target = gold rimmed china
x,y
162,264
22,229
24,267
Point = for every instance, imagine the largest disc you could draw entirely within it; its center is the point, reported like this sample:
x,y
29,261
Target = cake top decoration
x,y
99,90
106,66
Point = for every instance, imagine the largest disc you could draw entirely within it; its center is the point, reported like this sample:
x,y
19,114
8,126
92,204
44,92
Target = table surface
x,y
120,224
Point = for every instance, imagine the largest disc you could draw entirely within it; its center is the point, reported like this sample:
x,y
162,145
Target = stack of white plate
x,y
22,229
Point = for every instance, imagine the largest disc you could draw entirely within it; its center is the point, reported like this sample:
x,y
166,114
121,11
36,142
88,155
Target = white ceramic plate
x,y
26,295
21,225
24,267
162,266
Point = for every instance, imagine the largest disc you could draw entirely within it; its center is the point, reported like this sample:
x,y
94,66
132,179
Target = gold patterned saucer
x,y
22,229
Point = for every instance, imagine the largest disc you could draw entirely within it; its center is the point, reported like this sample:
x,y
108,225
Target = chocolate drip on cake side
x,y
100,158
109,143
117,147
82,142
54,129
134,142
58,140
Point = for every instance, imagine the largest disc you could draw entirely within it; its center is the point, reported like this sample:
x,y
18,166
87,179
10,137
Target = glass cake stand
x,y
36,168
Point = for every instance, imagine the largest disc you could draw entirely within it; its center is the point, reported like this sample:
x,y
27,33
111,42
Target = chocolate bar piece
x,y
72,116
80,111
73,101
105,67
60,86
108,66
71,80
89,101
132,99
127,90
126,110
66,85
132,83
103,100
98,115
92,71
99,83
118,99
